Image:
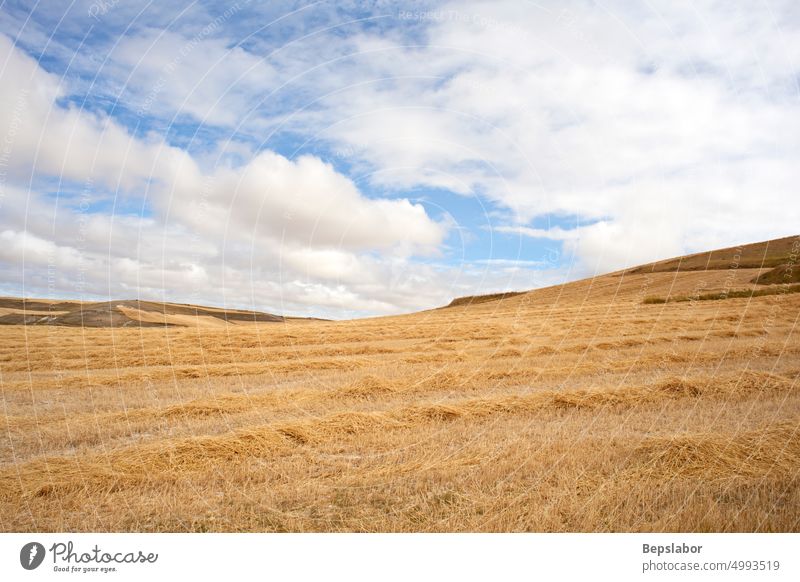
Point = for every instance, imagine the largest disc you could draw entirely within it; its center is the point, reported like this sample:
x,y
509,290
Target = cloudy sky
x,y
345,159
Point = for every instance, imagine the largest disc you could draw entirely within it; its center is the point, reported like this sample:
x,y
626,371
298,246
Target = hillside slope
x,y
746,267
773,254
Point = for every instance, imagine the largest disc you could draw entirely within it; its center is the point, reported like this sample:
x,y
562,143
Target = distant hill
x,y
771,253
126,313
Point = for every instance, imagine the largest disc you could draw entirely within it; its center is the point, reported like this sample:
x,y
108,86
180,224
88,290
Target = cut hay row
x,y
768,453
140,463
372,387
569,360
213,355
154,373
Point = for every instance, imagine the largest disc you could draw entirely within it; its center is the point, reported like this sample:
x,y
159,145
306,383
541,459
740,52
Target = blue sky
x,y
345,159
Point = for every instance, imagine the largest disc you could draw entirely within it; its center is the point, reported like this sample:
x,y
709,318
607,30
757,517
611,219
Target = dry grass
x,y
577,408
769,452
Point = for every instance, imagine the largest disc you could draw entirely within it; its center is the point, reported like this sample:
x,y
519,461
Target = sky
x,y
349,159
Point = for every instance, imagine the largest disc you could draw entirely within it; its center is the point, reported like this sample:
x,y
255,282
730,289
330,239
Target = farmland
x,y
580,407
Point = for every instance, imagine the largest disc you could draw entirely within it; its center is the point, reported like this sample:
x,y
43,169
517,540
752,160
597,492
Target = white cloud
x,y
306,201
553,233
45,138
663,128
254,232
660,122
169,74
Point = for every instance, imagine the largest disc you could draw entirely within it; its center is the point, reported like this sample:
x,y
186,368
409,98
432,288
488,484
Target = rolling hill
x,y
124,313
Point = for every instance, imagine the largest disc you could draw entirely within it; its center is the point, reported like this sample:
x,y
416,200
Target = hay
x,y
572,408
369,387
770,451
189,454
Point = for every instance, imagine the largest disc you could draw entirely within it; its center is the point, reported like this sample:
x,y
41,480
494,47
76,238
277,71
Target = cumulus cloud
x,y
306,201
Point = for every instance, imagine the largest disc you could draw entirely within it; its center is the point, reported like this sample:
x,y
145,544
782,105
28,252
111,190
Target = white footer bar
x,y
441,557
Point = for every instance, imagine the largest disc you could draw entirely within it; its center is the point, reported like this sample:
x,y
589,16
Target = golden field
x,y
582,407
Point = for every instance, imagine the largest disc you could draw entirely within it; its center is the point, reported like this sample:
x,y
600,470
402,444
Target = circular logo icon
x,y
31,555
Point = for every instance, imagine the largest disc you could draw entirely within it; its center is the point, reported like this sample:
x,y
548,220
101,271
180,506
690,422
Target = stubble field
x,y
575,408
